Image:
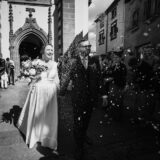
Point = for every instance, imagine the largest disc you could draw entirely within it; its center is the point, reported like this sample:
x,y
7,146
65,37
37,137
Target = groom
x,y
84,72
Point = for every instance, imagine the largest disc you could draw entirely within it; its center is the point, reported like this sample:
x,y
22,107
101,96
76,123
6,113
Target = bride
x,y
38,120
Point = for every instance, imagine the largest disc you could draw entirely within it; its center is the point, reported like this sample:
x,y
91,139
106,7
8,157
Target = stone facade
x,y
65,11
110,27
101,32
142,25
72,20
26,26
116,22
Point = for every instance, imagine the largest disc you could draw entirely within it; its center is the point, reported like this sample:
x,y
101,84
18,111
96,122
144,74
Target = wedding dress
x,y
38,120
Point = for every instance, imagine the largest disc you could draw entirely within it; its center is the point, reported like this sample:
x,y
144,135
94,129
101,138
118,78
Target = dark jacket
x,y
85,82
145,76
118,73
2,66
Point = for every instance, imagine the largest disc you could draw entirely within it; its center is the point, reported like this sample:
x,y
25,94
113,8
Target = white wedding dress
x,y
38,120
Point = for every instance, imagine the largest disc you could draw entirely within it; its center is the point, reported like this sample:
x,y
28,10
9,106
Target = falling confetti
x,y
139,118
101,136
127,108
101,122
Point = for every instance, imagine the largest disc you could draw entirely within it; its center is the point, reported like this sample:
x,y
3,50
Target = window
x,y
157,7
114,30
147,9
101,21
114,12
135,18
101,24
101,37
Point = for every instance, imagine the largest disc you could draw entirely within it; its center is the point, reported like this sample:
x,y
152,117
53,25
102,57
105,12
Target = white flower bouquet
x,y
31,70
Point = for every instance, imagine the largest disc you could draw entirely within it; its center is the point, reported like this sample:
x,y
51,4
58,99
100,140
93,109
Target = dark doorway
x,y
30,48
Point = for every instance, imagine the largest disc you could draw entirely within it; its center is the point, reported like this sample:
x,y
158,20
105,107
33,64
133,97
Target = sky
x,y
97,7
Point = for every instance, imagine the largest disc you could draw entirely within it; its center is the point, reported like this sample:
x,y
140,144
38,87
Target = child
x,y
4,80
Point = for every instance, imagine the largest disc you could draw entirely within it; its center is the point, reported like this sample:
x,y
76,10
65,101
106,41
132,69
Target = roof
x,y
99,17
111,6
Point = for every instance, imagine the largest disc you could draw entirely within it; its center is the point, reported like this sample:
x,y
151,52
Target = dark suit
x,y
116,95
85,85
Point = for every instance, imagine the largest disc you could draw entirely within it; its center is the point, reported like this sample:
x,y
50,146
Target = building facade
x,y
101,34
115,22
110,28
28,25
71,19
142,27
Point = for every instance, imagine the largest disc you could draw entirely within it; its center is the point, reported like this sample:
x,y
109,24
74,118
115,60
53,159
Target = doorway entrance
x,y
27,42
30,48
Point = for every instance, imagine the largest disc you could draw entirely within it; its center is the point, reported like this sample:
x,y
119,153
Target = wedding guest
x,y
81,69
7,68
10,69
118,72
145,81
4,80
12,72
2,67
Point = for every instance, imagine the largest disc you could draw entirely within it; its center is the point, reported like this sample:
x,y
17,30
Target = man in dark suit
x,y
2,66
84,72
117,73
10,68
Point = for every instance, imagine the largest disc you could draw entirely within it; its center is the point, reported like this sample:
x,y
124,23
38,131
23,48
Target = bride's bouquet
x,y
31,70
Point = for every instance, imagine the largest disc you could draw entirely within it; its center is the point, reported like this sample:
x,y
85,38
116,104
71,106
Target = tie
x,y
85,62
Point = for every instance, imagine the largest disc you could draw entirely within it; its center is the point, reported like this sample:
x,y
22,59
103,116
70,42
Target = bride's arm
x,y
56,79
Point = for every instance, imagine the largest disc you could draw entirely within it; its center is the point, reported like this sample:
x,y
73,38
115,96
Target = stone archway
x,y
30,47
29,29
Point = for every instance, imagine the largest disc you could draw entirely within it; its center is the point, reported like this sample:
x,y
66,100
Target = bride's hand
x,y
36,78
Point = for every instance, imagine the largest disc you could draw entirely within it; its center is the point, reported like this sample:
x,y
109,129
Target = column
x,y
49,26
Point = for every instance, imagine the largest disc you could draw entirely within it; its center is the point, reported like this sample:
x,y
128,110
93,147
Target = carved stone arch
x,y
30,27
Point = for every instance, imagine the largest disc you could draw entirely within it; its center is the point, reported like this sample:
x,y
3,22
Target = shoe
x,y
88,140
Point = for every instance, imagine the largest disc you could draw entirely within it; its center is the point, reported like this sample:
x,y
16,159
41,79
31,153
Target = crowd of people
x,y
139,74
7,71
90,79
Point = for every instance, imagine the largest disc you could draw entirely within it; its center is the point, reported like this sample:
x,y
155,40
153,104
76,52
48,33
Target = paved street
x,y
112,140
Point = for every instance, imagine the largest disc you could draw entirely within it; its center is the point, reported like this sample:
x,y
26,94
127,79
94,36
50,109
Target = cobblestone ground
x,y
112,140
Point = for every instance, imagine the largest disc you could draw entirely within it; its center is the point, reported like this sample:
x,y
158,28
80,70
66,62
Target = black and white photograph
x,y
79,79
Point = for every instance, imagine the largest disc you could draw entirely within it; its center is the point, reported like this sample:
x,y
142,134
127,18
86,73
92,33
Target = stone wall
x,y
68,23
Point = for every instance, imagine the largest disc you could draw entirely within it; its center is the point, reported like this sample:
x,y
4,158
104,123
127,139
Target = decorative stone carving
x,y
30,27
30,10
49,26
11,20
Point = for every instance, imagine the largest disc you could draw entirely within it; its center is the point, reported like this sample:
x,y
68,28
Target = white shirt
x,y
84,61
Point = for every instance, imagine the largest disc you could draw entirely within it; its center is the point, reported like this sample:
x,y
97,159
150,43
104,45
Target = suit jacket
x,y
2,66
85,82
118,73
